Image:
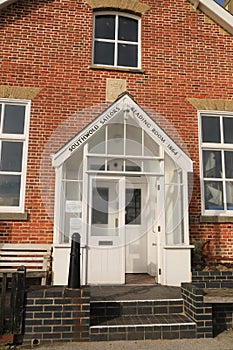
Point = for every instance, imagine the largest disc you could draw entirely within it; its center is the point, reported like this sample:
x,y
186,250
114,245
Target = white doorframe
x,y
159,228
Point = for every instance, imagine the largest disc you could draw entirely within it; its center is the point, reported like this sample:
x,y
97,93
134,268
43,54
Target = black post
x,y
3,302
74,271
17,303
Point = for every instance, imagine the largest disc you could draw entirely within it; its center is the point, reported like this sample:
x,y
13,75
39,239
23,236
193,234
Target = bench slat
x,y
29,273
21,258
19,263
17,253
18,246
35,257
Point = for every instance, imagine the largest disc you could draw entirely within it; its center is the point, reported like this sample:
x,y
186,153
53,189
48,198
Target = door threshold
x,y
139,279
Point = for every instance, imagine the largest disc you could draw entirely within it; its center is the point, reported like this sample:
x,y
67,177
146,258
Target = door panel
x,y
106,231
136,227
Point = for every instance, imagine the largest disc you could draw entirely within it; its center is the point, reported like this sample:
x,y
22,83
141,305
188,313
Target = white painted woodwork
x,y
105,241
177,264
136,236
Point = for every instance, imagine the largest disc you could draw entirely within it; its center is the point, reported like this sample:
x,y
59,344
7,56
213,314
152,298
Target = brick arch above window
x,y
211,104
134,6
18,92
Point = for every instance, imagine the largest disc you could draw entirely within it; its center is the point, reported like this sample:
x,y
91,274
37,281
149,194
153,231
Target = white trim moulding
x,y
5,3
216,12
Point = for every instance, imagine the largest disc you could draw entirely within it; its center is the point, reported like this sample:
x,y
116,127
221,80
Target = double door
x,y
121,236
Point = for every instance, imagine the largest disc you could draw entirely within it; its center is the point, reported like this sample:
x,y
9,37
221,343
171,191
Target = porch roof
x,y
126,104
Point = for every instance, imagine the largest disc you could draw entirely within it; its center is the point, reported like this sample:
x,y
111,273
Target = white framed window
x,y
116,40
14,125
216,154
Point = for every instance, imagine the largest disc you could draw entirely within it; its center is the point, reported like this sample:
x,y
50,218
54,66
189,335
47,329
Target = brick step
x,y
176,326
140,307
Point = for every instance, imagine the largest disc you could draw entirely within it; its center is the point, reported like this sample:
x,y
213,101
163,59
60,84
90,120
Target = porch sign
x,y
130,108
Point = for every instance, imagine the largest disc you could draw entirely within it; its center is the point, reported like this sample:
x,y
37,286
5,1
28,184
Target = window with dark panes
x,y
13,140
100,208
133,206
116,40
217,163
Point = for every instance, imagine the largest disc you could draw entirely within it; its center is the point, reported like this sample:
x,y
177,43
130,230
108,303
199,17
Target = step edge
x,y
146,325
132,301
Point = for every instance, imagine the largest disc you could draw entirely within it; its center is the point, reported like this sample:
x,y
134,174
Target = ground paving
x,y
223,341
134,292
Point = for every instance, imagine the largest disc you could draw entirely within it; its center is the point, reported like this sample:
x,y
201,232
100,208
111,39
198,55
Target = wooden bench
x,y
35,257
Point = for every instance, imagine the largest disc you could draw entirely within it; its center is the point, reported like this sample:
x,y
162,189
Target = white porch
x,y
122,184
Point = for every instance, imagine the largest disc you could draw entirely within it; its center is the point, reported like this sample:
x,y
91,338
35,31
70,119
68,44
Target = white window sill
x,y
126,69
215,218
179,246
13,216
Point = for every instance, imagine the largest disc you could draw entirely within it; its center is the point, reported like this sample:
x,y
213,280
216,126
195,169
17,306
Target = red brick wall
x,y
47,44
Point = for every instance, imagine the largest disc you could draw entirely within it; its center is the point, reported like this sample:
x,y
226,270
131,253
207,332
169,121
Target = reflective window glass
x,y
211,129
133,140
14,119
128,29
105,27
104,53
10,190
135,165
11,156
213,195
96,163
151,148
127,55
133,206
115,164
229,164
229,192
212,164
100,205
227,129
97,143
115,144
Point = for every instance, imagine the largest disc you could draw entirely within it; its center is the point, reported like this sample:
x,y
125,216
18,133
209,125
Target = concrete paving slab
x,y
137,292
218,295
223,341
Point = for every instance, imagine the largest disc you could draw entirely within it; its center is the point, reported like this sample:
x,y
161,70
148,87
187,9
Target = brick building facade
x,y
64,65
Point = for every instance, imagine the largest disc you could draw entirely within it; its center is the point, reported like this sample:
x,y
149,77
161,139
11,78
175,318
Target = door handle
x,y
154,244
116,222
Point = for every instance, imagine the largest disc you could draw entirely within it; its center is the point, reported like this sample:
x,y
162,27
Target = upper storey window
x,y
116,40
217,163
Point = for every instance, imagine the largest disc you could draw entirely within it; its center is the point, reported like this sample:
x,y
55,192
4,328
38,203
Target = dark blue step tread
x,y
146,332
150,320
112,303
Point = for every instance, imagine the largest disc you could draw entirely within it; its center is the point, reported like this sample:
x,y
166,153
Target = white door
x,y
106,253
136,230
143,226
